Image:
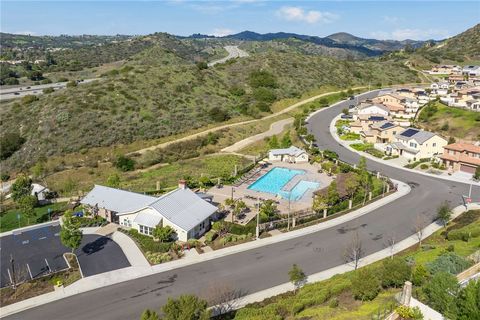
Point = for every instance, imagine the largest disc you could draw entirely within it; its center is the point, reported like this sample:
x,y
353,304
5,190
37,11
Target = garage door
x,y
466,168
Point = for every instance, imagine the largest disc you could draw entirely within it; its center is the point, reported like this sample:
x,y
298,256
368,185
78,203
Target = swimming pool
x,y
274,180
300,188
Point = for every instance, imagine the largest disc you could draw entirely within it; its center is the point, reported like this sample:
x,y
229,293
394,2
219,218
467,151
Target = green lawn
x,y
8,219
451,121
350,136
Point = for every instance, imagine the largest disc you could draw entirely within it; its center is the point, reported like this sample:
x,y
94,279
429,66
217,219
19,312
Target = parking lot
x,y
38,251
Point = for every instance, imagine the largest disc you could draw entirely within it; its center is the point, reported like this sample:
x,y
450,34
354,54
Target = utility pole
x,y
288,216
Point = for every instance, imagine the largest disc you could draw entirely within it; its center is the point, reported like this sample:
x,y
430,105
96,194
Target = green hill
x,y
161,91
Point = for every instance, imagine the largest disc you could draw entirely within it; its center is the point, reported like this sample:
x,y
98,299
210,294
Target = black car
x,y
346,116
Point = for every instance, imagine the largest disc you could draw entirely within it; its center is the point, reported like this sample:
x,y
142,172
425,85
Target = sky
x,y
397,20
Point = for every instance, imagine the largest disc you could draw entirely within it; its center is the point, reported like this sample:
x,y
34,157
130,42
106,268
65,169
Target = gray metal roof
x,y
183,208
292,151
148,217
421,136
116,200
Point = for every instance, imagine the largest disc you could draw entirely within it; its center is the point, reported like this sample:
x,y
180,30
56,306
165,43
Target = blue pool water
x,y
274,180
300,188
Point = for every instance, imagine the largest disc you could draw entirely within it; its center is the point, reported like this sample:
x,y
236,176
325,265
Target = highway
x,y
18,92
268,266
233,52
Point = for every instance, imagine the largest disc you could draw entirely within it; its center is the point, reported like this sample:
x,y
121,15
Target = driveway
x,y
38,251
265,267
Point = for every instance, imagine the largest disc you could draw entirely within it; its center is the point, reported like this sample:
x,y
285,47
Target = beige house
x,y
291,155
385,131
461,157
416,144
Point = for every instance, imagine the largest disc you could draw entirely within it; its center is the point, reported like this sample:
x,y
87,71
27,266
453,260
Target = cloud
x,y
413,34
221,32
391,19
310,16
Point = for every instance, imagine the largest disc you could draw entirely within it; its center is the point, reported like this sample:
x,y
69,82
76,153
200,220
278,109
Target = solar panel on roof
x,y
409,132
386,125
376,118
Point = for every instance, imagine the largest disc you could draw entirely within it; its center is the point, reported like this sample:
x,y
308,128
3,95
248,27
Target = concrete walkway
x,y
275,128
140,269
377,256
428,313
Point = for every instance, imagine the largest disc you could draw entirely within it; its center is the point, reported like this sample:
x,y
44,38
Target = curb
x,y
131,273
326,274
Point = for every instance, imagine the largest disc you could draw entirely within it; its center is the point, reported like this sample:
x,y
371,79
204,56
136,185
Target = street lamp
x,y
257,229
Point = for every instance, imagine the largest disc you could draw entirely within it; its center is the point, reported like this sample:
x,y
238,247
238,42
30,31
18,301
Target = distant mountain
x,y
465,45
343,40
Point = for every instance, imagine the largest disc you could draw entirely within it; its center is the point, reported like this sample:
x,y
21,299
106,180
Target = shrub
x,y
9,143
419,275
395,272
262,78
124,163
441,292
71,84
409,313
29,99
424,166
211,235
333,303
147,244
448,262
264,95
365,284
156,257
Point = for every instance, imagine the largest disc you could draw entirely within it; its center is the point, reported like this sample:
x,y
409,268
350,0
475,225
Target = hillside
x,y
160,92
461,48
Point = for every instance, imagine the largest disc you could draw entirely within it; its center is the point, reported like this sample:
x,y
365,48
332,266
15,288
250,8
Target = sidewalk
x,y
346,144
379,255
140,269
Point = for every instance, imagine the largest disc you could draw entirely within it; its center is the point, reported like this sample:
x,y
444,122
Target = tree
x,y
286,140
395,272
444,214
27,206
476,175
223,297
319,203
36,75
163,234
186,307
149,315
38,170
354,250
124,163
419,275
345,111
10,142
297,277
332,194
113,181
365,284
441,292
273,142
70,234
239,208
352,184
419,225
268,208
22,187
468,301
202,65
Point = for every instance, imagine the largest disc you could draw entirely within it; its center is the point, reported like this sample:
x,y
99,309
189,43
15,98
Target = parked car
x,y
346,116
352,97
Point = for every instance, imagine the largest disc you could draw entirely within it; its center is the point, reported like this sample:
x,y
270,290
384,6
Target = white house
x,y
374,109
39,191
292,155
416,144
471,70
182,209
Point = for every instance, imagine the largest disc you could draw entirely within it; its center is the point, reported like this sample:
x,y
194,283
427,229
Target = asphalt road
x,y
42,250
18,92
268,266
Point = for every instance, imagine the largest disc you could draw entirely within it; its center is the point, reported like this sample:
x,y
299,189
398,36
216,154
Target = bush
x,y
71,84
147,244
333,303
262,78
409,313
156,257
9,143
365,284
264,95
424,166
464,234
448,262
210,236
419,275
29,99
48,90
395,272
441,292
124,163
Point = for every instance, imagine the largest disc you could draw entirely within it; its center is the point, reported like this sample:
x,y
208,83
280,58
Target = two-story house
x,y
381,132
416,144
461,157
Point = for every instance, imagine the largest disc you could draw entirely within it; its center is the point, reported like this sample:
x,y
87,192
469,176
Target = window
x,y
413,144
434,144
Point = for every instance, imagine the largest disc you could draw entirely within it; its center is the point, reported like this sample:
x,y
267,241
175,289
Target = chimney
x,y
182,184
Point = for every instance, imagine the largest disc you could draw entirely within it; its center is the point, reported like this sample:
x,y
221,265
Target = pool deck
x,y
241,191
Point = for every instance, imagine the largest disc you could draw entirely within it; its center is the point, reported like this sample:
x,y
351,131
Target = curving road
x,y
265,267
233,52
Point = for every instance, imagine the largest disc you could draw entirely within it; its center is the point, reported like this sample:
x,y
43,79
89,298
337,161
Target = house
x,y
445,69
182,209
40,192
390,98
108,202
473,104
416,144
396,110
385,131
373,109
461,157
453,78
471,71
440,88
292,155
